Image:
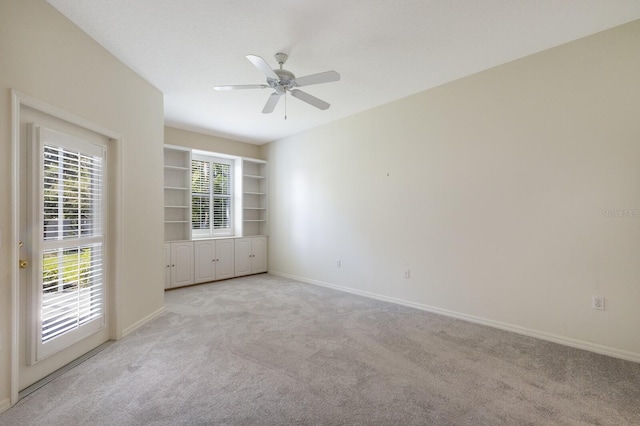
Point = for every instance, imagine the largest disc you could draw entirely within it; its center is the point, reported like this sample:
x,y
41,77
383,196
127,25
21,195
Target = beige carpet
x,y
264,350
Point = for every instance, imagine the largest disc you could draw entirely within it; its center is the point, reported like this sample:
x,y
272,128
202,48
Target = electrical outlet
x,y
338,263
407,273
597,302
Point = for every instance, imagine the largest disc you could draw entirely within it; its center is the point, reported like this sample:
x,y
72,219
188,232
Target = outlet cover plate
x,y
597,302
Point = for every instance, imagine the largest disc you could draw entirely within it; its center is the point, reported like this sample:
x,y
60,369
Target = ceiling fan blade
x,y
311,100
263,66
271,103
323,77
242,86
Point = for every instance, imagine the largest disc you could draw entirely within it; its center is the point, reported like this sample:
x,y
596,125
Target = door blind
x,y
72,289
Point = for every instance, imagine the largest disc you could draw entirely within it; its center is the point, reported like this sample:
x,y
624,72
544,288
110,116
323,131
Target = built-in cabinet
x,y
214,260
250,255
190,261
182,264
200,261
167,264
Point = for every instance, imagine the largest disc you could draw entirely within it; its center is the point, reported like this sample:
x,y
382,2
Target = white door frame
x,y
19,100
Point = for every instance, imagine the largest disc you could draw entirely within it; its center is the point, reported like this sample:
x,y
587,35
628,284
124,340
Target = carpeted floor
x,y
264,350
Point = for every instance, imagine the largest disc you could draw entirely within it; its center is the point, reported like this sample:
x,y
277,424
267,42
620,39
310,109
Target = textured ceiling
x,y
383,49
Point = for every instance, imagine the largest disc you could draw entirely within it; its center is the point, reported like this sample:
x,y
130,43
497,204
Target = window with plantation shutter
x,y
211,196
70,282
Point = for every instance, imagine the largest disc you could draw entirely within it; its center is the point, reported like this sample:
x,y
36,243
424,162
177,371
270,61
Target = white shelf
x,y
254,197
177,200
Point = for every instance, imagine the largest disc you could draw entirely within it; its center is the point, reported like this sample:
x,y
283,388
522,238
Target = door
x,y
63,292
167,265
181,264
259,254
205,261
242,256
224,259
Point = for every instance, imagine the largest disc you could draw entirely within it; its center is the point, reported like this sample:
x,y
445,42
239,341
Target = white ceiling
x,y
383,49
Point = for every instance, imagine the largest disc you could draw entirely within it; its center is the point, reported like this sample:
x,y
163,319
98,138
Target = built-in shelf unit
x,y
251,195
254,197
177,193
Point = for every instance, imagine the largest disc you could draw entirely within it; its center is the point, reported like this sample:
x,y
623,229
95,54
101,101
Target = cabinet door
x,y
242,256
259,254
224,259
167,266
181,264
205,261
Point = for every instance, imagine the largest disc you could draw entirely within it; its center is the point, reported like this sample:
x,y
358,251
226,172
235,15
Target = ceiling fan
x,y
283,81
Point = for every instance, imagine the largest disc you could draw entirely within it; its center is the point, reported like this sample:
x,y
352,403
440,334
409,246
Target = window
x,y
211,196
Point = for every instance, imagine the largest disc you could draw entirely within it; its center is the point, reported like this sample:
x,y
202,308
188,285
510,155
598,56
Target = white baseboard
x,y
133,327
5,404
563,340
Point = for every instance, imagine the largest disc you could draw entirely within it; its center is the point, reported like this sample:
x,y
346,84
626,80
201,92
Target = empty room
x,y
324,213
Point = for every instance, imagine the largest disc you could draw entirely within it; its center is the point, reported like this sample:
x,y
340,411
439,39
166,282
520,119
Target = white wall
x,y
491,189
194,140
45,56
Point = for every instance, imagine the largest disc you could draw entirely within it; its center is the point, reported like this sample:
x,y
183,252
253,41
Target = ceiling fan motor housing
x,y
285,78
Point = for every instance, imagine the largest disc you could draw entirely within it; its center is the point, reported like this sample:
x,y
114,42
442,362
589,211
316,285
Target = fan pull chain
x,y
285,103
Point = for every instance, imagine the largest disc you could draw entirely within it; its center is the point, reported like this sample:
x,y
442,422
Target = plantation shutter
x,y
221,196
71,284
211,196
200,195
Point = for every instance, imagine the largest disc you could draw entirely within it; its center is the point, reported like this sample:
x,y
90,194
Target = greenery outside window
x,y
211,196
